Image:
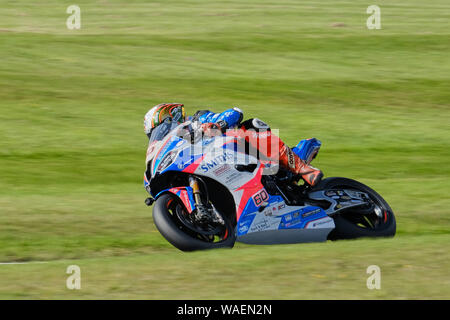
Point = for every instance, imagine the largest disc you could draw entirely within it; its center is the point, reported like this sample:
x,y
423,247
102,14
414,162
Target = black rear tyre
x,y
351,224
169,226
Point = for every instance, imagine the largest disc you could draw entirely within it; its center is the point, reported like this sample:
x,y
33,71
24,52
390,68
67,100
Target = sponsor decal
x,y
260,124
167,160
222,123
281,206
263,222
151,148
261,135
259,226
180,143
310,213
221,170
320,223
267,212
185,198
232,177
177,114
291,220
206,141
327,222
243,229
220,159
291,159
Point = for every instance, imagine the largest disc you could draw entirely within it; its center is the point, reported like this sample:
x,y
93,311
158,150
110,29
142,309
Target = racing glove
x,y
211,129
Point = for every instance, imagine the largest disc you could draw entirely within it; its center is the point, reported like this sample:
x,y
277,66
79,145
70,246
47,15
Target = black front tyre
x,y
353,224
173,230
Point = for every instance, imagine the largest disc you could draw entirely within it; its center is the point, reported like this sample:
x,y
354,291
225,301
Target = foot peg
x,y
149,201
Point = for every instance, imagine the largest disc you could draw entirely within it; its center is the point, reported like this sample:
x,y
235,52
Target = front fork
x,y
192,199
206,211
193,183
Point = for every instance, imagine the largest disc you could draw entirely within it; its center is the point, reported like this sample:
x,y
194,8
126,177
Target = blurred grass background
x,y
72,146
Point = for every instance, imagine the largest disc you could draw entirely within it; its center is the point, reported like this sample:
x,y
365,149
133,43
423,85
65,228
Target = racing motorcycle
x,y
208,194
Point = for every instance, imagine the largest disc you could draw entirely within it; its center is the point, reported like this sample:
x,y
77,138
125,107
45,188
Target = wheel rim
x,y
185,222
375,216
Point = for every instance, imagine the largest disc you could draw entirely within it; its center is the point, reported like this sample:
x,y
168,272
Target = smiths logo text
x,y
220,159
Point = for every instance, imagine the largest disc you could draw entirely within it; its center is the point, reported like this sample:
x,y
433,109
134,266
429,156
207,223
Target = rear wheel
x,y
181,230
374,220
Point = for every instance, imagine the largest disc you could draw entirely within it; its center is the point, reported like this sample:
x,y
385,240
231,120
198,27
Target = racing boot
x,y
291,161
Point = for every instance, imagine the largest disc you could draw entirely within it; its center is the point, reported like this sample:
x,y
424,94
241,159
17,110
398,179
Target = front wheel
x,y
376,220
175,224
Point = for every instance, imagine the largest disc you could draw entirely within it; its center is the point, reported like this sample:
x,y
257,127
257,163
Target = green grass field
x,y
72,146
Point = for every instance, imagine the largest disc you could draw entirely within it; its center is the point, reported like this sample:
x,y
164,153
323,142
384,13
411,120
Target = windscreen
x,y
162,130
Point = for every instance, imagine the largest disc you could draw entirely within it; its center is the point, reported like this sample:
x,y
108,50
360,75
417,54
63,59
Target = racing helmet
x,y
160,113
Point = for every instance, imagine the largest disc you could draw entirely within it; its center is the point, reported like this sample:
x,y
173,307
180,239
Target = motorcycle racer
x,y
254,131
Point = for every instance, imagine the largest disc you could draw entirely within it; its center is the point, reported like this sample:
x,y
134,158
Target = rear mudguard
x,y
185,194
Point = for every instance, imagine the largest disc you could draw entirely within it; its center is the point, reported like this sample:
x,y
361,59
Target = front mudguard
x,y
186,195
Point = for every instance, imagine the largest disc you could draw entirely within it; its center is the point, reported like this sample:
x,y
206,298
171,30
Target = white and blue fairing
x,y
261,218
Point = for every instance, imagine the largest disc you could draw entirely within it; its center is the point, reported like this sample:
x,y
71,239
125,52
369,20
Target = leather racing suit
x,y
259,136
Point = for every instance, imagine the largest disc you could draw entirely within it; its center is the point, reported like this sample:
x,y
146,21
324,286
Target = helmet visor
x,y
175,112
